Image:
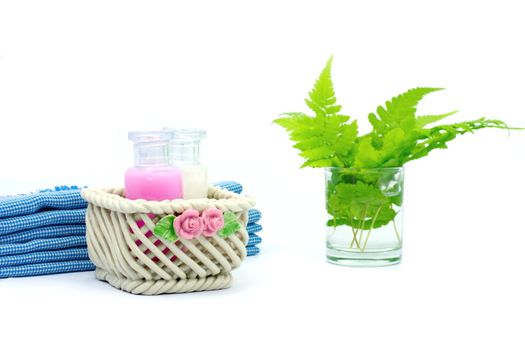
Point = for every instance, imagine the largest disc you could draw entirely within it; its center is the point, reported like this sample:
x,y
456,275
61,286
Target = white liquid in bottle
x,y
194,181
184,153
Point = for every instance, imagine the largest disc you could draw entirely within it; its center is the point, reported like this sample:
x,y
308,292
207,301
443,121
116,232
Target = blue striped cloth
x,y
233,186
77,253
44,232
38,245
46,268
253,228
54,231
253,239
252,250
32,203
253,216
44,218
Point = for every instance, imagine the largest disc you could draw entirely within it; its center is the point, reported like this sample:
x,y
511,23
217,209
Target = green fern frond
x,y
404,106
322,96
328,139
439,136
292,121
399,112
325,139
424,120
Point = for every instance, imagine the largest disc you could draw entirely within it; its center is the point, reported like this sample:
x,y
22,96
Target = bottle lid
x,y
185,145
185,135
151,147
149,136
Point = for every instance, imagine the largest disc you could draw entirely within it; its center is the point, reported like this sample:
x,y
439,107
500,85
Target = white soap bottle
x,y
185,154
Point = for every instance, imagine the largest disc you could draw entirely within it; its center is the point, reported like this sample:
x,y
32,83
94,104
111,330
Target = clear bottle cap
x,y
185,144
151,147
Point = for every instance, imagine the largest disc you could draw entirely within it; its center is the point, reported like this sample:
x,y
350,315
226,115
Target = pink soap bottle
x,y
152,178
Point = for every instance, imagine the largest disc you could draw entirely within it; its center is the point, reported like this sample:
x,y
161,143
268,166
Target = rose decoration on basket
x,y
213,221
191,224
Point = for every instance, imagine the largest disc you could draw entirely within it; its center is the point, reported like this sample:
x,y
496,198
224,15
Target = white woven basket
x,y
131,258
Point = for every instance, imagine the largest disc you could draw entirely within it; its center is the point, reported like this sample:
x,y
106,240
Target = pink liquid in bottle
x,y
153,183
152,178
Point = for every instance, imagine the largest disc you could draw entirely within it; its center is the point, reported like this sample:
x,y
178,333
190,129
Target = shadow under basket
x,y
130,257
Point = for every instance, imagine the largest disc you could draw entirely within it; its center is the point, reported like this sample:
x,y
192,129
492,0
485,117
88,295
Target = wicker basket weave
x,y
128,256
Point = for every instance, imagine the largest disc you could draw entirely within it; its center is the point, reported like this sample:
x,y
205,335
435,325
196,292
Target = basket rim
x,y
111,198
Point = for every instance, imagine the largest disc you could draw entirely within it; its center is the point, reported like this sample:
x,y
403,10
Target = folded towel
x,y
44,232
44,218
252,250
233,186
45,256
39,245
253,239
253,216
253,228
32,203
46,268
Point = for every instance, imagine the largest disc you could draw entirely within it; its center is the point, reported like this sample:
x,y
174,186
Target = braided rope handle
x,y
112,199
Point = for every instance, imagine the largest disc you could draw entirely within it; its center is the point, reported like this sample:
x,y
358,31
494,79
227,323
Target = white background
x,y
75,76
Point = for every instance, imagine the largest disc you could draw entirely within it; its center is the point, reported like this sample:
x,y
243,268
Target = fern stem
x,y
354,233
371,228
354,240
361,225
396,231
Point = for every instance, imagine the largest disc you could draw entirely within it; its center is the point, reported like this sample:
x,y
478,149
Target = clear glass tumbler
x,y
365,216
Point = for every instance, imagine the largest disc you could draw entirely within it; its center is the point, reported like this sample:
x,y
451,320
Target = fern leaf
x,y
346,138
322,152
322,96
396,147
324,139
304,145
292,120
399,112
437,137
424,120
403,107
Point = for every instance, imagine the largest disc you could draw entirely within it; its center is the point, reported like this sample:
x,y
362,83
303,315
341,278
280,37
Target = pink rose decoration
x,y
213,221
189,224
